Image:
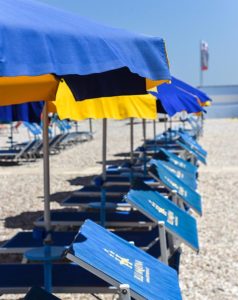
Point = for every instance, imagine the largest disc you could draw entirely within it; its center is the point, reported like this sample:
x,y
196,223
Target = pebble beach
x,y
211,274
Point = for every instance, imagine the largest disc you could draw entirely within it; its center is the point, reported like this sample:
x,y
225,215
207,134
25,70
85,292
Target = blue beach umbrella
x,y
173,100
92,59
27,112
203,97
42,46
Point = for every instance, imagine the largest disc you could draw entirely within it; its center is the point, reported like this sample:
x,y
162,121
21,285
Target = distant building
x,y
225,101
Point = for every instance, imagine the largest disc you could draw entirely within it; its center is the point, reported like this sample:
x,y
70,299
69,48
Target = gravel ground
x,y
212,274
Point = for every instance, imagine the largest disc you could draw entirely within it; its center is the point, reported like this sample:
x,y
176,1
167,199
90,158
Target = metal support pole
x,y
90,126
163,242
124,292
165,130
47,220
104,157
132,140
46,166
11,136
154,129
76,126
144,130
144,147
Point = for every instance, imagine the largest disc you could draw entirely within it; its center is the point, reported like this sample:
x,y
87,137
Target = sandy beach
x,y
211,274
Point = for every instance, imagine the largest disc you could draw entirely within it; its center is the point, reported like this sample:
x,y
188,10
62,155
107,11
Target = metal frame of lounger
x,y
24,241
67,278
23,153
93,190
53,145
113,220
84,201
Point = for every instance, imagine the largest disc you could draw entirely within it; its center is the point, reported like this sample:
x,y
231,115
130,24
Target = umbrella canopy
x,y
203,97
173,99
27,112
47,40
117,107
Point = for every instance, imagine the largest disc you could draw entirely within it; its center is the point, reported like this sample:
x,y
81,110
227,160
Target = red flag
x,y
204,55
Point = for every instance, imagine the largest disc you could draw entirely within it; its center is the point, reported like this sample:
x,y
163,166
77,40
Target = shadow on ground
x,y
26,220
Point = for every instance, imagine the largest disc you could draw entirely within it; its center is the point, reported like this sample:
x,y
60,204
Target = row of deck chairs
x,y
148,214
33,149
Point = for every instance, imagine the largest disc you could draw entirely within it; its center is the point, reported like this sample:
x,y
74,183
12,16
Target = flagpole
x,y
200,64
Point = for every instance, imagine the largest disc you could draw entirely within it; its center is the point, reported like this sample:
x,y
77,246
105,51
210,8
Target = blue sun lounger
x,y
113,219
17,154
188,178
189,196
192,142
176,221
179,162
123,265
195,154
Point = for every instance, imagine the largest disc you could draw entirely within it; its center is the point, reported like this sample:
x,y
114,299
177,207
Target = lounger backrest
x,y
119,262
158,208
178,161
194,144
191,150
188,178
187,194
27,148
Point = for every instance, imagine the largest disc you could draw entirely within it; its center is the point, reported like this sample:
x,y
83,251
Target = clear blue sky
x,y
182,23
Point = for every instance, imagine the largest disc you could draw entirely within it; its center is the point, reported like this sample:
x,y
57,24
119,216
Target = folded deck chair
x,y
66,278
188,178
37,293
113,219
123,265
177,222
182,191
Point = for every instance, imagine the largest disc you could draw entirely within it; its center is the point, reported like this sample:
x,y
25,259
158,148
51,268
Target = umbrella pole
x,y
132,148
154,129
46,171
104,157
170,127
165,130
144,148
132,140
90,126
47,221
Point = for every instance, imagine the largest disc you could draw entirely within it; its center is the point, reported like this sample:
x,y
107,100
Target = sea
x,y
224,101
